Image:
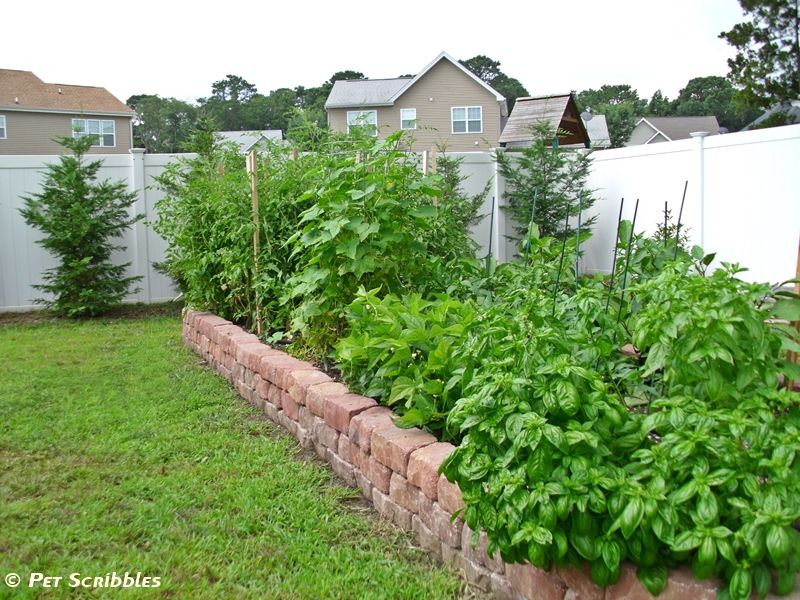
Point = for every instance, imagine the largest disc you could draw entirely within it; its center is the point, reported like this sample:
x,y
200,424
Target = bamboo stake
x,y
252,170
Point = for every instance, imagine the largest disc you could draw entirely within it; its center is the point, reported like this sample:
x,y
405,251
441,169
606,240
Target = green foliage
x,y
488,71
555,176
161,124
453,199
621,106
765,69
404,351
373,222
713,95
80,217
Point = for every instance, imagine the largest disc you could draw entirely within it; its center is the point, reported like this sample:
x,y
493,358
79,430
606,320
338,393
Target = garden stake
x,y
491,239
530,226
252,170
680,216
665,223
578,241
616,246
560,263
627,261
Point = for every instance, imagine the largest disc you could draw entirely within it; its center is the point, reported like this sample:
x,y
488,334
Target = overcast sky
x,y
178,48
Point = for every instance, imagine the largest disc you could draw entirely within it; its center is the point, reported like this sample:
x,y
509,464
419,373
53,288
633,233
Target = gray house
x,y
247,140
444,104
33,112
654,130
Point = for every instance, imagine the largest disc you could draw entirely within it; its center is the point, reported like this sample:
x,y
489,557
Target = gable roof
x,y
247,139
791,109
681,128
22,90
384,92
559,111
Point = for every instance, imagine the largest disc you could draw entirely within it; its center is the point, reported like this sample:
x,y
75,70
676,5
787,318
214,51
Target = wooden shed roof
x,y
559,111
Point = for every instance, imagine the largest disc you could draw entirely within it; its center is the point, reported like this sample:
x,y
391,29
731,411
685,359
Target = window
x,y
467,119
367,119
102,131
408,118
2,127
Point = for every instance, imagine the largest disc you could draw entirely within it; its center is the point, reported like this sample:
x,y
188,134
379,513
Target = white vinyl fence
x,y
742,202
23,261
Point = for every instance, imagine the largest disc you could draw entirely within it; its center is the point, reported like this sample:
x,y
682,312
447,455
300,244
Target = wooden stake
x,y
433,160
252,170
424,162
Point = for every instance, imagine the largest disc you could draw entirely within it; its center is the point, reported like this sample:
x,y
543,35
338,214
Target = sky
x,y
176,48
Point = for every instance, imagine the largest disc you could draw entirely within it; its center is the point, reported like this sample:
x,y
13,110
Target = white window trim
x,y
357,112
466,120
4,123
100,140
414,126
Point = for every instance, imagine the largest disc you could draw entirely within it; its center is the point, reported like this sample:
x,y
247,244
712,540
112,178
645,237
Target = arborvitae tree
x,y
555,176
79,217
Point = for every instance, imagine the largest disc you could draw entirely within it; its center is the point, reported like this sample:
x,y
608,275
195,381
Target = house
x,y
654,130
445,104
33,113
558,111
784,113
246,140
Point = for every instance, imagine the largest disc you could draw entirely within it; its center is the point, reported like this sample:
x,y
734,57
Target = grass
x,y
119,452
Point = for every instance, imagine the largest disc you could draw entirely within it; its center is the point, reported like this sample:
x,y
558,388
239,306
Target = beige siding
x,y
440,89
33,133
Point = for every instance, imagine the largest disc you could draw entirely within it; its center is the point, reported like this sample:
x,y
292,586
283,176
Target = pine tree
x,y
80,217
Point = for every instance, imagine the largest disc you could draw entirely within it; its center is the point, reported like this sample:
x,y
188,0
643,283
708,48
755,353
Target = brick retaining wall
x,y
396,469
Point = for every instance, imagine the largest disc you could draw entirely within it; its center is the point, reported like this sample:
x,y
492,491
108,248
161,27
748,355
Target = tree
x,y
161,124
621,106
488,71
227,101
766,68
659,105
556,177
712,95
79,217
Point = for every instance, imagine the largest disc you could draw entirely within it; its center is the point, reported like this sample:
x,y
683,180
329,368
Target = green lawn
x,y
120,452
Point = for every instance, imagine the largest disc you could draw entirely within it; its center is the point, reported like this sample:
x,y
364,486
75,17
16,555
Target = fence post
x,y
141,257
701,182
252,170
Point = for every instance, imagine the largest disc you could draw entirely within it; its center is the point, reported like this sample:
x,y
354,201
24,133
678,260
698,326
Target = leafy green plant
x,y
80,217
404,351
551,175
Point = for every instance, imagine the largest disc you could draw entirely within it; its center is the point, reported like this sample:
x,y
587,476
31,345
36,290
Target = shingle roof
x,y
247,139
680,128
558,111
365,92
20,90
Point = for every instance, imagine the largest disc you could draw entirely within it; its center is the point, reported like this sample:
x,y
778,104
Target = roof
x,y
597,128
22,90
384,92
559,111
681,128
792,110
247,139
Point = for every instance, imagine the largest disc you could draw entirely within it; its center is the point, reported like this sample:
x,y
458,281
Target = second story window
x,y
102,130
367,119
2,127
408,118
467,119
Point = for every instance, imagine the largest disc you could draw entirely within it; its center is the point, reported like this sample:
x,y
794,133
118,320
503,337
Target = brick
x,y
243,390
449,496
379,475
343,469
403,493
267,355
250,353
479,554
206,324
305,419
290,407
382,504
501,588
271,411
275,395
279,367
238,372
325,435
343,449
681,584
579,582
364,483
364,423
298,382
262,387
359,459
477,575
320,449
303,437
315,395
426,539
453,558
287,423
248,378
438,520
392,446
534,584
423,467
222,332
338,410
